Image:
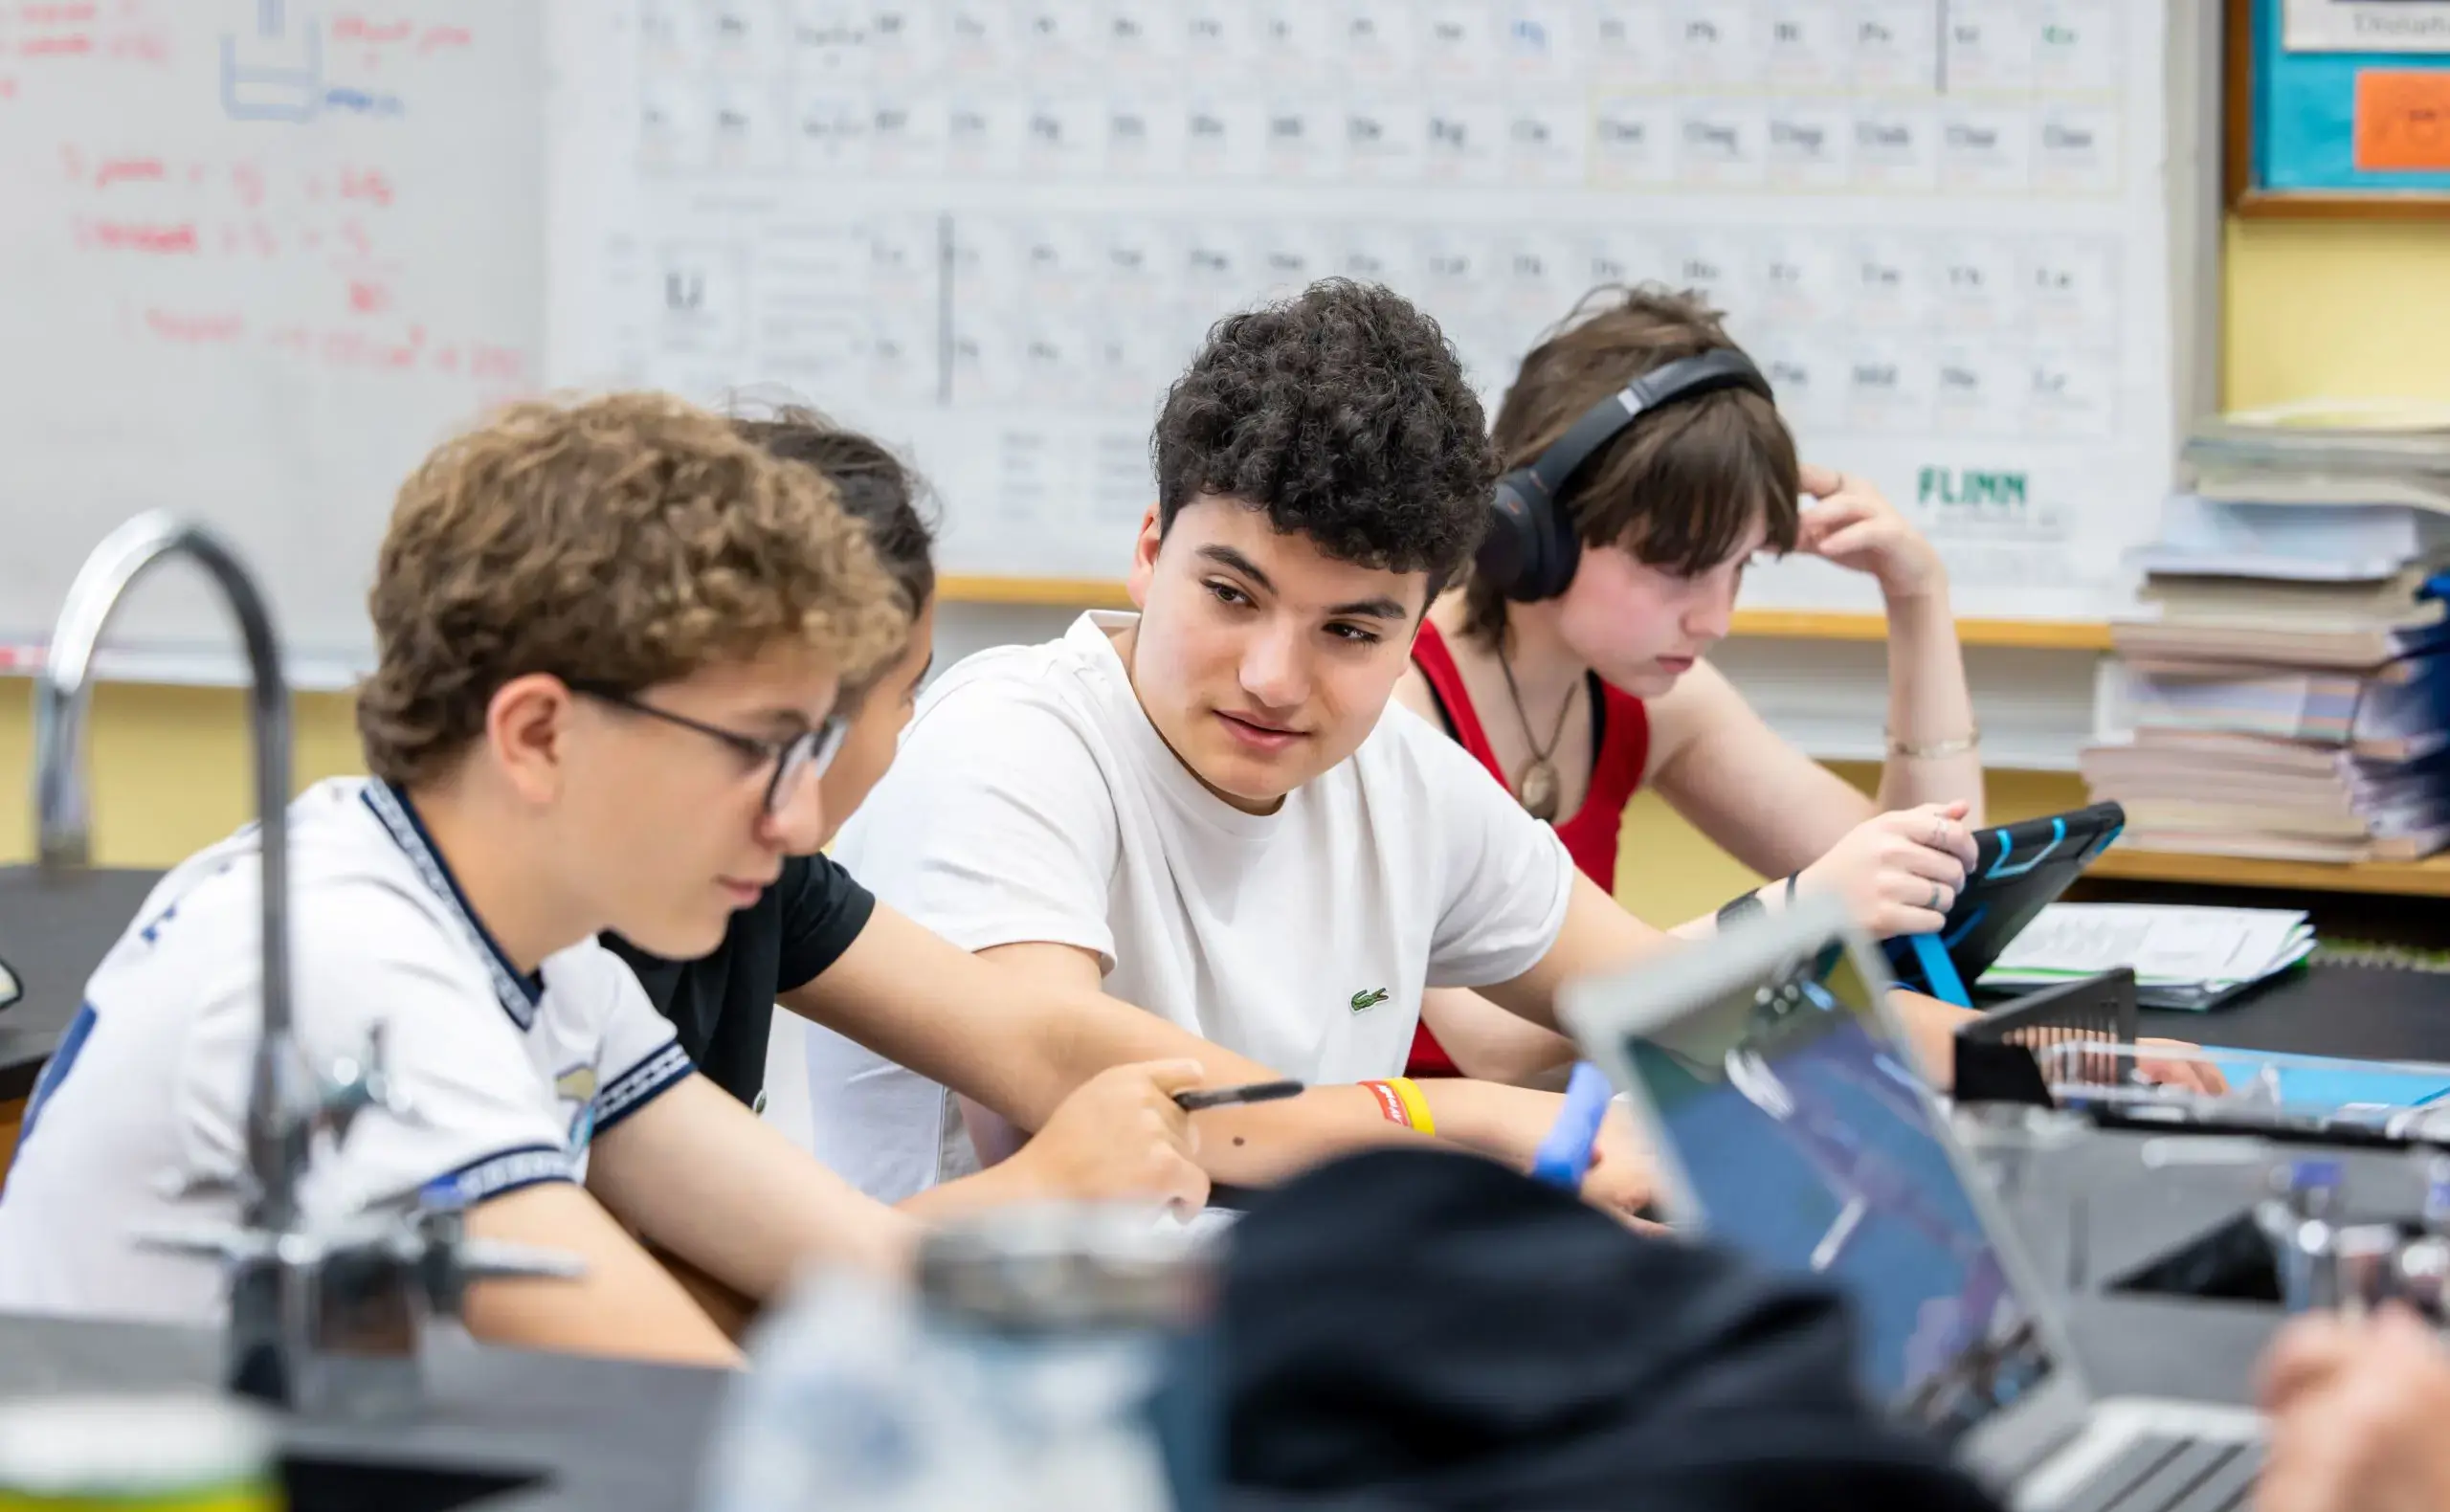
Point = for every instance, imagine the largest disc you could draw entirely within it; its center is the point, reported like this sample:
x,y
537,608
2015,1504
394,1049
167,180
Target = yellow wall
x,y
170,767
2336,309
2327,309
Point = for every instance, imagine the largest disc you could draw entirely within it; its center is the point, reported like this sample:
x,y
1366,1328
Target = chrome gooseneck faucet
x,y
323,1315
276,1146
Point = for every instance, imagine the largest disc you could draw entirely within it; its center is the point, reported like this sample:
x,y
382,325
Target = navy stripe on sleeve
x,y
641,1085
497,1175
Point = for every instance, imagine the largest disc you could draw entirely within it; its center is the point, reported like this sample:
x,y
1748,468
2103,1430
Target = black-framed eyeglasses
x,y
802,758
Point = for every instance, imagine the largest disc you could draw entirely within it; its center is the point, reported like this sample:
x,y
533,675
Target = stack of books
x,y
2284,690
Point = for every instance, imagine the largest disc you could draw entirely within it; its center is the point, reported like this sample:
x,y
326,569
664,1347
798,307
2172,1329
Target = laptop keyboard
x,y
2158,1474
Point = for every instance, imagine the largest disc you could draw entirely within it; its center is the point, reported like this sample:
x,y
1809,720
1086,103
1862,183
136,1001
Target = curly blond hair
x,y
623,541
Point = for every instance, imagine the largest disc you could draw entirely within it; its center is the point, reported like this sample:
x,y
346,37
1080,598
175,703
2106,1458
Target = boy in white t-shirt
x,y
1210,805
609,637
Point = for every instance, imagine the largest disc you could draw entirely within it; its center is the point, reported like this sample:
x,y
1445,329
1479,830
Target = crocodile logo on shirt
x,y
578,1086
1369,999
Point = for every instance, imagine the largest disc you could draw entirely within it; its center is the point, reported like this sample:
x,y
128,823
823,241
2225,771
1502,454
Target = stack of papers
x,y
2279,543
2383,795
2364,452
2296,605
2184,957
2392,712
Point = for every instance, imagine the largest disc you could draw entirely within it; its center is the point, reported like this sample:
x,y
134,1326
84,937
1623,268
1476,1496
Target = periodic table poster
x,y
994,230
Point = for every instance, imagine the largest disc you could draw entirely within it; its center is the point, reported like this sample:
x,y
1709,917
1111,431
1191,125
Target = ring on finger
x,y
1937,892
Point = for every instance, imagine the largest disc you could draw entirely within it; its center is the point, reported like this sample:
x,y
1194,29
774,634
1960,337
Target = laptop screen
x,y
1798,1125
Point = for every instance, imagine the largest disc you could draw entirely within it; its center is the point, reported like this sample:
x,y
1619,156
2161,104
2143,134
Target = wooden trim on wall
x,y
2237,104
2037,635
12,1118
2260,205
1055,592
2425,879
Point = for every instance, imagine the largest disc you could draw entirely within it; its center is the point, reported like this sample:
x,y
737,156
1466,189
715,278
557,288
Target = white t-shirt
x,y
1032,801
139,1121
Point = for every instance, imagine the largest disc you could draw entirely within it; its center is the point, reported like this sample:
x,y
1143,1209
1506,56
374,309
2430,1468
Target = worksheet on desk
x,y
2163,943
995,232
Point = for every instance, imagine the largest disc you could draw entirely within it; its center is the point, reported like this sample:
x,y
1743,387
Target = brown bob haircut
x,y
1683,487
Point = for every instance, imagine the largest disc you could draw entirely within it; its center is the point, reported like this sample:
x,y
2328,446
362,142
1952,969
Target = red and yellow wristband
x,y
1401,1102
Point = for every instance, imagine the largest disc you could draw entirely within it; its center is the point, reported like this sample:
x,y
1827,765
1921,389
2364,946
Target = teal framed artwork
x,y
2338,107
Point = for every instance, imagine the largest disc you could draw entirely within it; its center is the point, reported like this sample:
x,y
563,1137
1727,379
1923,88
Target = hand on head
x,y
1854,527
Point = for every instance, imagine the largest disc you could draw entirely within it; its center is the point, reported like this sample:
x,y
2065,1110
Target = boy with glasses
x,y
611,636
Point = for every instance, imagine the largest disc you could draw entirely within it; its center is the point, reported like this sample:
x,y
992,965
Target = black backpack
x,y
1422,1330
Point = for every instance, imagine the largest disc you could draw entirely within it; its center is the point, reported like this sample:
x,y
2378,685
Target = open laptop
x,y
1790,1122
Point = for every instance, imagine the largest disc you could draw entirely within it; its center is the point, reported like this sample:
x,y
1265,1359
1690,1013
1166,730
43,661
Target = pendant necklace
x,y
1538,784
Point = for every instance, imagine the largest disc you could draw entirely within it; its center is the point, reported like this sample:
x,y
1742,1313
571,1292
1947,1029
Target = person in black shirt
x,y
722,1006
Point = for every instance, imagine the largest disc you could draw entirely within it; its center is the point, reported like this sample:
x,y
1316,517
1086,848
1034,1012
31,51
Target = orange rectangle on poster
x,y
2403,119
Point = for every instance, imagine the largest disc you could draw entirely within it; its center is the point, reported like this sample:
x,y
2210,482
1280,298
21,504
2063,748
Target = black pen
x,y
1222,1096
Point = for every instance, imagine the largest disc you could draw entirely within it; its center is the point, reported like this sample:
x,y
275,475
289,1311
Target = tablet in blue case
x,y
2018,870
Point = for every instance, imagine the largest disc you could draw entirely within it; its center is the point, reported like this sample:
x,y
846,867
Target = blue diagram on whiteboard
x,y
275,72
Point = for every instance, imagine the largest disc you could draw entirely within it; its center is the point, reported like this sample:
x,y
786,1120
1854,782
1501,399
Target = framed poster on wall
x,y
2338,107
2365,26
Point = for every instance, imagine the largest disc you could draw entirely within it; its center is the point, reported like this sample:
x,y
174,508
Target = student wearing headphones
x,y
1208,806
1648,465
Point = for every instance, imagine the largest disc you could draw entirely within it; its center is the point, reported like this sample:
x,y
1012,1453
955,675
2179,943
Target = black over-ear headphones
x,y
1532,547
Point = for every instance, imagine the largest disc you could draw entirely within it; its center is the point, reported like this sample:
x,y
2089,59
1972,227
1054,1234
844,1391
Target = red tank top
x,y
1589,833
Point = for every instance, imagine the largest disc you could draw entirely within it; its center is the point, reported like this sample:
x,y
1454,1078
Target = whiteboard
x,y
995,232
261,255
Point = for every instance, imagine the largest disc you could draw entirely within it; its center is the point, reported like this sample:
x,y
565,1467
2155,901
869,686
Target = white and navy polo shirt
x,y
139,1120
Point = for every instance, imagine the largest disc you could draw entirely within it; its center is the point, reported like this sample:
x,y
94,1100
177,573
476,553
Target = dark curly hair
x,y
1343,413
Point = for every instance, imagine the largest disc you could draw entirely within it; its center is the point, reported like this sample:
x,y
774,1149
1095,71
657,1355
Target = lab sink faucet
x,y
324,1313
